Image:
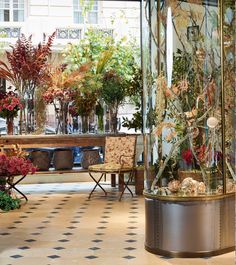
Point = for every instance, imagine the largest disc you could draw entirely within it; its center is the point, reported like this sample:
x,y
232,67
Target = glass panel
x,y
148,90
1,15
18,4
18,15
92,18
4,15
75,3
15,4
229,90
4,10
5,4
78,18
183,108
95,6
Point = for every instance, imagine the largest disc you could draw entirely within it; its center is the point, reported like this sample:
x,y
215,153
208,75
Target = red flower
x,y
187,156
14,165
9,104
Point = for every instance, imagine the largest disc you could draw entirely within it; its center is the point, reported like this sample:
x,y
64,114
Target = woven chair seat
x,y
109,167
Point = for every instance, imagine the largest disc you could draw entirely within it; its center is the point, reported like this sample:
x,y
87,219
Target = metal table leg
x,y
12,185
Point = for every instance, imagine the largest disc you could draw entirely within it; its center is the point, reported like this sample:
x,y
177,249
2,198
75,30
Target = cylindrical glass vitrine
x,y
188,52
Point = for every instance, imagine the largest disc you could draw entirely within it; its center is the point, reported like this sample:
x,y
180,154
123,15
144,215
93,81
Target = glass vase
x,y
113,122
10,125
85,124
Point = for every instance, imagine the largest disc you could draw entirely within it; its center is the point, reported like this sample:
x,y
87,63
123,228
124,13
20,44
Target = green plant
x,y
94,48
105,54
113,93
170,171
134,91
8,203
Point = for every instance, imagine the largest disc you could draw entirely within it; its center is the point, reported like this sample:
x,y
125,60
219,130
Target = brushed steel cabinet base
x,y
190,228
189,254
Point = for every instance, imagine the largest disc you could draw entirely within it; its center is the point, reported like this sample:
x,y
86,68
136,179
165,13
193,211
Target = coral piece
x,y
174,186
189,185
201,187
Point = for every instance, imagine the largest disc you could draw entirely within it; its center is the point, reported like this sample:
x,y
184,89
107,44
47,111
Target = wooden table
x,y
38,141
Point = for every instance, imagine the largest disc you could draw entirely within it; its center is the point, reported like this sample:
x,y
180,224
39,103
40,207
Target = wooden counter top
x,y
28,141
55,140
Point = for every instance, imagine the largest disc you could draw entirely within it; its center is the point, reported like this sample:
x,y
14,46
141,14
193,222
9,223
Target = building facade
x,y
67,18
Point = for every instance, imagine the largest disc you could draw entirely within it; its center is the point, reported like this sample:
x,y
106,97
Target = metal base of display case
x,y
189,254
190,226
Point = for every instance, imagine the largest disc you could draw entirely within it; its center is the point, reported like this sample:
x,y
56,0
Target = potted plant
x,y
113,93
12,163
26,70
8,203
9,106
104,54
61,92
86,97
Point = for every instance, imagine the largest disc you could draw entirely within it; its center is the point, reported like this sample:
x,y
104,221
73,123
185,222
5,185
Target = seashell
x,y
174,185
219,189
230,186
201,187
189,185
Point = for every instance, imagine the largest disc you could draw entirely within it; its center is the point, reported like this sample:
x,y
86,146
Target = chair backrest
x,y
115,147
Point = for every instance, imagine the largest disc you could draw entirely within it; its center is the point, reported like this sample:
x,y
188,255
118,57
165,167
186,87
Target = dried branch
x,y
174,147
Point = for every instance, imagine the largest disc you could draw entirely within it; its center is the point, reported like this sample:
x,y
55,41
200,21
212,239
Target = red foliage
x,y
27,64
187,156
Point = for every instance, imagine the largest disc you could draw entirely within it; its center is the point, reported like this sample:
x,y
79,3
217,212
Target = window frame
x,y
78,9
11,11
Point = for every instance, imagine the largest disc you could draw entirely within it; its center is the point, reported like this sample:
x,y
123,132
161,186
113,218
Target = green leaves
x,y
8,203
113,89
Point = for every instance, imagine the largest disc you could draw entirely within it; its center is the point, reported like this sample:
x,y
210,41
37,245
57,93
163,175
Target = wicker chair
x,y
119,159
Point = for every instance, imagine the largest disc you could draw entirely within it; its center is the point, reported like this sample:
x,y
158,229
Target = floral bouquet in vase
x,y
9,106
12,165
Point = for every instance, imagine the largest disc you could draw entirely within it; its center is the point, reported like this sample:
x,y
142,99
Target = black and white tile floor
x,y
59,225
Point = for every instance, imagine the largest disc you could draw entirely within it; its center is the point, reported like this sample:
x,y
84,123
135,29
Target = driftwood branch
x,y
174,147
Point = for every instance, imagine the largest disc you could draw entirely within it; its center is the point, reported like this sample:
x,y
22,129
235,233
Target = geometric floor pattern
x,y
59,225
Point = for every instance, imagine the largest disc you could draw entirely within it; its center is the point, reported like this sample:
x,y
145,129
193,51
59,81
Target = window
x,y
11,10
92,14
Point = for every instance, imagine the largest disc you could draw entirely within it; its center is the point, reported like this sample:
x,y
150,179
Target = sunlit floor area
x,y
59,225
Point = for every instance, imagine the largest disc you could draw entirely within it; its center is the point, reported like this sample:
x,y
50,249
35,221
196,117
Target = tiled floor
x,y
59,225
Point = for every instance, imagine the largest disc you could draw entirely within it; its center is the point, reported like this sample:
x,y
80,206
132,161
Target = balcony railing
x,y
66,33
106,32
10,32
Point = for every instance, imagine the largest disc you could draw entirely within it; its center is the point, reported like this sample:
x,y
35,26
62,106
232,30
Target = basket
x,y
90,157
41,159
63,159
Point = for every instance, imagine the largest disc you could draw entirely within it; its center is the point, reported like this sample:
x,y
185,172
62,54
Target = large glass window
x,y
11,10
88,12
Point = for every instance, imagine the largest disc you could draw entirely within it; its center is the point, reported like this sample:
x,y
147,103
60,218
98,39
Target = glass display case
x,y
188,52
